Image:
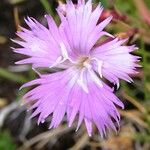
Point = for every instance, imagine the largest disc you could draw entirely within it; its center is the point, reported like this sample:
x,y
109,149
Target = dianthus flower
x,y
81,63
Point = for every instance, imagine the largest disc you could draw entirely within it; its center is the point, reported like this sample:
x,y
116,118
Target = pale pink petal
x,y
118,62
80,26
59,94
40,44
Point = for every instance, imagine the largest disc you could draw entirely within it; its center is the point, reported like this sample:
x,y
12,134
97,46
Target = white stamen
x,y
95,78
58,60
99,64
118,85
64,51
63,57
81,82
87,65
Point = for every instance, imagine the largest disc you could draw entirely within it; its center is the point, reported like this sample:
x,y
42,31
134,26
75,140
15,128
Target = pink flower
x,y
81,65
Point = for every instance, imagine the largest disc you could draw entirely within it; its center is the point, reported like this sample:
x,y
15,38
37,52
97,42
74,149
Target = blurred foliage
x,y
48,8
11,76
6,142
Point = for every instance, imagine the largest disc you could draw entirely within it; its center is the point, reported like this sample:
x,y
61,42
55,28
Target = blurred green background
x,y
131,19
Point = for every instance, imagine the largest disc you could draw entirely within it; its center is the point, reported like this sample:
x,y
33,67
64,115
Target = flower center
x,y
82,62
86,65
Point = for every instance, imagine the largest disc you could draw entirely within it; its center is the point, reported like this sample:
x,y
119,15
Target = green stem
x,y
11,76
